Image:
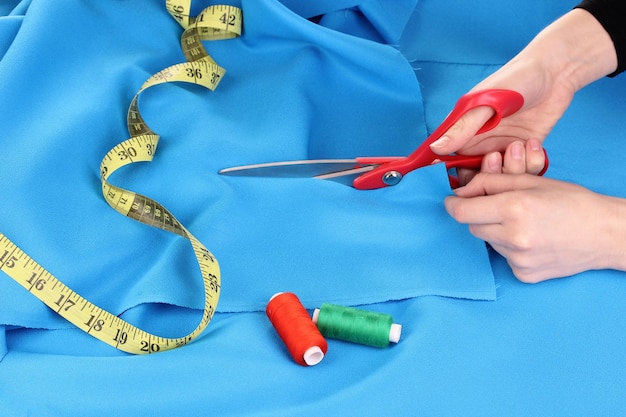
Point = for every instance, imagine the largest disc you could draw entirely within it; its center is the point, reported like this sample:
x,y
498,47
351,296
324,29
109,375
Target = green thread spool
x,y
357,326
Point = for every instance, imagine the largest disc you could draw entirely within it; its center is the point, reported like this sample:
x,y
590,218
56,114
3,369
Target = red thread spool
x,y
293,324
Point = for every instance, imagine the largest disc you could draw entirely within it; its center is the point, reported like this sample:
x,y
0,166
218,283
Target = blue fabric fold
x,y
309,9
9,26
13,7
3,342
375,20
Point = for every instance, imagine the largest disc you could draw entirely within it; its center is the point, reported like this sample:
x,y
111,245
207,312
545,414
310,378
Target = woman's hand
x,y
543,227
570,53
545,103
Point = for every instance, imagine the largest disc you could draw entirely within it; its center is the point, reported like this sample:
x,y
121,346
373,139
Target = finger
x,y
465,175
462,131
477,210
489,184
492,163
515,158
492,233
535,156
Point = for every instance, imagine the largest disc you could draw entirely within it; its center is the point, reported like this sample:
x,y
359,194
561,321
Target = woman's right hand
x,y
545,101
572,52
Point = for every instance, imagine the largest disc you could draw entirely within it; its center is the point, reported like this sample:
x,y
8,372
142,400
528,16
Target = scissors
x,y
366,173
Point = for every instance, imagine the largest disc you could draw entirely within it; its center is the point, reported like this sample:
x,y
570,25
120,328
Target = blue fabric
x,y
475,340
553,349
293,90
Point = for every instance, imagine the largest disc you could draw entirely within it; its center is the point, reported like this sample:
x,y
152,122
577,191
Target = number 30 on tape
x,y
213,23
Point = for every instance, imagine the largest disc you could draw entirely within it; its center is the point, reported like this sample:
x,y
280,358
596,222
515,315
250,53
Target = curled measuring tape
x,y
213,23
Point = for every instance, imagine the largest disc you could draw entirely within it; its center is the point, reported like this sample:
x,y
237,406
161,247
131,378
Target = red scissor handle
x,y
503,102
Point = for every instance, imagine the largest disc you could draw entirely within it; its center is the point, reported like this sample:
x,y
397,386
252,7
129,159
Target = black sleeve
x,y
612,16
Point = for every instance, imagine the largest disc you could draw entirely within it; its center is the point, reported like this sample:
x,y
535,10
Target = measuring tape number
x,y
213,23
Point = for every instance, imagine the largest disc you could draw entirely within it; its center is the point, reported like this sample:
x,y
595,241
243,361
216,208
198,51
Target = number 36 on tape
x,y
213,23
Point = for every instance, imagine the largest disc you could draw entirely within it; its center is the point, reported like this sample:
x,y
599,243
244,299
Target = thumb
x,y
462,131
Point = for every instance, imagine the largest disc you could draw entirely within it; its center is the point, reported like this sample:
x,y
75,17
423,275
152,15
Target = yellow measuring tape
x,y
214,22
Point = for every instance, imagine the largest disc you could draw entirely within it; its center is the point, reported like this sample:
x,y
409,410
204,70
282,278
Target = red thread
x,y
304,341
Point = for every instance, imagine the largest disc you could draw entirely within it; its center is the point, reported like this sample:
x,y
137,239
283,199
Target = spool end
x,y
394,332
316,314
313,355
276,295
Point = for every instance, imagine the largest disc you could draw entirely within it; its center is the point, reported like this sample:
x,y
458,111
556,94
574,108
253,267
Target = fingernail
x,y
534,144
494,162
442,142
517,150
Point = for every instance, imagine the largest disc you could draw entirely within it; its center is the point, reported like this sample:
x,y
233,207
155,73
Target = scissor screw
x,y
392,177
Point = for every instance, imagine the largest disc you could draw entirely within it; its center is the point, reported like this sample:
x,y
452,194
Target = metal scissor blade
x,y
311,168
346,176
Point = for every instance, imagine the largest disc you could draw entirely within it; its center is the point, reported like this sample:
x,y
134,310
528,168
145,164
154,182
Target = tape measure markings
x,y
215,22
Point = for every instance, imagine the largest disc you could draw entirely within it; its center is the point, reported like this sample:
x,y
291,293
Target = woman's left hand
x,y
544,228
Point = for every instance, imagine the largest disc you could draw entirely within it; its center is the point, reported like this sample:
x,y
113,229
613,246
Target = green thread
x,y
354,325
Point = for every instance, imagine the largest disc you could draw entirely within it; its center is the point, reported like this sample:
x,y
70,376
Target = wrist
x,y
575,50
612,234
